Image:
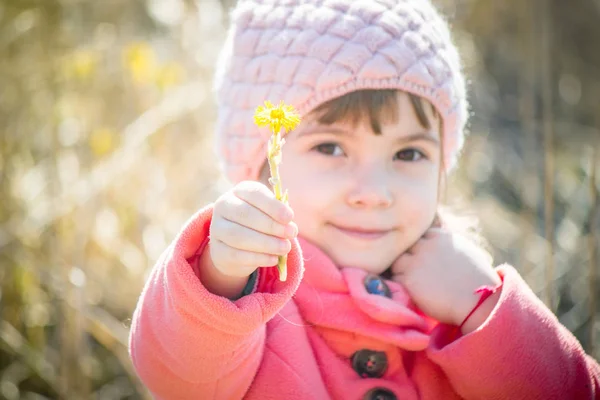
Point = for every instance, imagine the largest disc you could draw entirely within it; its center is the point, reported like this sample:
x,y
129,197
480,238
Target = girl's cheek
x,y
428,205
418,195
427,194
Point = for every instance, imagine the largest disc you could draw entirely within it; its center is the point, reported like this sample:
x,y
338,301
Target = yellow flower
x,y
276,117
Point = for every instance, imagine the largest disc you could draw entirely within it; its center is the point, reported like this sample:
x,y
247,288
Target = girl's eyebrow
x,y
326,129
427,136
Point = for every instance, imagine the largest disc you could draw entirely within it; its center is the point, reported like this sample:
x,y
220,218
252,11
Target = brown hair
x,y
378,105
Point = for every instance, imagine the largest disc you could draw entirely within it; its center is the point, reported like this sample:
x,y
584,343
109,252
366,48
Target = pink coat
x,y
321,335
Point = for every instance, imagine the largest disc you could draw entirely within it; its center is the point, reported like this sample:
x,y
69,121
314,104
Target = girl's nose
x,y
371,189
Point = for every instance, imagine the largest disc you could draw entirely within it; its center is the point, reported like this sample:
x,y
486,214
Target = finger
x,y
437,222
238,262
432,232
259,196
243,238
245,214
414,248
399,267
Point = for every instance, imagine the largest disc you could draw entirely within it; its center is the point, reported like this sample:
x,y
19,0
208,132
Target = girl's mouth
x,y
362,233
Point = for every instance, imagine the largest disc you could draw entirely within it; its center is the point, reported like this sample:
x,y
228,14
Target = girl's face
x,y
363,198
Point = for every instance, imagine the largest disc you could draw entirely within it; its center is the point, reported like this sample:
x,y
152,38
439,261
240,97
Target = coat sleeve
x,y
187,343
520,352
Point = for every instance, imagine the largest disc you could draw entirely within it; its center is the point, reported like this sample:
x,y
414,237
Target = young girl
x,y
383,299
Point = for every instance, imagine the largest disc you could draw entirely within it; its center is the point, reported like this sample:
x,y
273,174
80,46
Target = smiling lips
x,y
362,233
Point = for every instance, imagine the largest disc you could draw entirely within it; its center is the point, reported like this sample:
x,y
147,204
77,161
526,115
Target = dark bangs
x,y
379,106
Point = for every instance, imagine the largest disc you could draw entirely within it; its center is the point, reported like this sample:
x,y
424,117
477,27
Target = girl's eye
x,y
330,149
409,155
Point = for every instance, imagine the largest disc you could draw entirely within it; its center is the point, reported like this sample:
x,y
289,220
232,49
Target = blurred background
x,y
106,118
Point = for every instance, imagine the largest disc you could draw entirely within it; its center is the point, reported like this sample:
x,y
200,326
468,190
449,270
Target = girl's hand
x,y
250,228
441,273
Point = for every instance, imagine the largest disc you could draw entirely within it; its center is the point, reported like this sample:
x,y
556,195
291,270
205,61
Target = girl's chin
x,y
373,265
374,262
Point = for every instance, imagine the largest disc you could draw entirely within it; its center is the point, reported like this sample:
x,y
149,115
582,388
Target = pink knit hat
x,y
306,52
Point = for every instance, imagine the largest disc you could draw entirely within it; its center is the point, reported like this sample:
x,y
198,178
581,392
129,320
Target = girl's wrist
x,y
488,298
215,281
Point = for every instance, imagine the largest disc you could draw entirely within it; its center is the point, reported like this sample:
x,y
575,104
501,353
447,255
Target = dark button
x,y
376,285
380,394
369,363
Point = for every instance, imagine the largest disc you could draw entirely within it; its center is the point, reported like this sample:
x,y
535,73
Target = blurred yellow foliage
x,y
102,141
80,230
139,58
170,75
82,64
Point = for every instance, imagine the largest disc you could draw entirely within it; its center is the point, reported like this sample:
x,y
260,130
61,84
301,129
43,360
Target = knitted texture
x,y
306,52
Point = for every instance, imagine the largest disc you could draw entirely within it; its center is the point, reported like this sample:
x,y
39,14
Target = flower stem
x,y
274,158
274,166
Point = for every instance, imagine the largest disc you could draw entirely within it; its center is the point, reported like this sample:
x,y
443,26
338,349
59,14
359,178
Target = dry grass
x,y
106,149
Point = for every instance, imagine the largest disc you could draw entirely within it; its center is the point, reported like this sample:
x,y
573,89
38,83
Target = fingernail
x,y
291,230
286,246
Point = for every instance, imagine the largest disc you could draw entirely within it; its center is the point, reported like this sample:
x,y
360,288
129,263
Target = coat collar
x,y
334,298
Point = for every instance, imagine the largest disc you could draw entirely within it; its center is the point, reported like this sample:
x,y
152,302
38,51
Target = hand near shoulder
x,y
441,273
250,228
